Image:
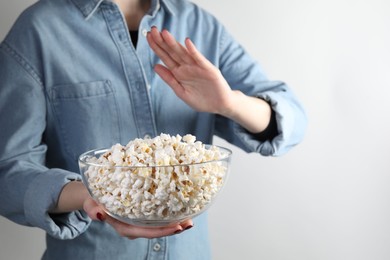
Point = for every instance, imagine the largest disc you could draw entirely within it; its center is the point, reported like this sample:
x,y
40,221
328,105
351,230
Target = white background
x,y
329,197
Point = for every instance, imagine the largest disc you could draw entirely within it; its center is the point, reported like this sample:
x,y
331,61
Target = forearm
x,y
250,112
71,197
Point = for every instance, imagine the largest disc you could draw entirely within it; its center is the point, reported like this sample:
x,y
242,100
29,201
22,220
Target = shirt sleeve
x,y
28,189
245,74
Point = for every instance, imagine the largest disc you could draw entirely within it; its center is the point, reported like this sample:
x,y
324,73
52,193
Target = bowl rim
x,y
88,154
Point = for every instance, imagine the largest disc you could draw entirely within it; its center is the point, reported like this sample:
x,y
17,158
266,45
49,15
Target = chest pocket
x,y
87,116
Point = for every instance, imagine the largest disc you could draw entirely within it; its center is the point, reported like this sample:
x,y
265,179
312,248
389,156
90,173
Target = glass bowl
x,y
154,196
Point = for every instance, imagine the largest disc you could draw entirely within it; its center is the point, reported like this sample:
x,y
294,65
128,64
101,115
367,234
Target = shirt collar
x,y
171,8
89,7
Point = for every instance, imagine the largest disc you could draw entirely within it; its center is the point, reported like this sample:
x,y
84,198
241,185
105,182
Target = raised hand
x,y
191,76
201,85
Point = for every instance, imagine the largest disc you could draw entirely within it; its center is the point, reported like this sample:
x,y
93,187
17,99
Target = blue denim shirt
x,y
71,80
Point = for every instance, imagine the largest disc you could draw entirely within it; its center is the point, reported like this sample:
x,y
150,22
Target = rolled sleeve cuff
x,y
290,127
251,144
42,195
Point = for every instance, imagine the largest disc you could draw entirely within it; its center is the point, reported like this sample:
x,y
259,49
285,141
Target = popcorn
x,y
158,178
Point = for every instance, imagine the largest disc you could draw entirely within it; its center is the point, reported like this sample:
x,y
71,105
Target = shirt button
x,y
157,247
144,32
147,136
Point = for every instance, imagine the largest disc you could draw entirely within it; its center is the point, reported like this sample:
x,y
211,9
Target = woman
x,y
82,74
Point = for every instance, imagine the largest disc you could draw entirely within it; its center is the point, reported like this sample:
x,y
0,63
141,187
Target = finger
x,y
94,210
195,54
187,224
176,50
170,79
155,232
156,42
133,232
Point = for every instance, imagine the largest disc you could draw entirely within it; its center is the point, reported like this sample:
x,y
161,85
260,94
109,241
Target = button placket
x,y
137,79
158,249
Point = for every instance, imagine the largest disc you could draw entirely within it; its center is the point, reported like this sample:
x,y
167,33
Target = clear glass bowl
x,y
154,195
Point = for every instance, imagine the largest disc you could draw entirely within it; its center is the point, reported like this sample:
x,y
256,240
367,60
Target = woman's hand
x,y
96,212
75,196
202,86
191,76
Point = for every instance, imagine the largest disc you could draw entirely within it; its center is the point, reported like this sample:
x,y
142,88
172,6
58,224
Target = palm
x,y
191,76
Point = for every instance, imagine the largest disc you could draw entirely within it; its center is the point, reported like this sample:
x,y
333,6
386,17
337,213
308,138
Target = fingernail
x,y
178,231
188,227
99,216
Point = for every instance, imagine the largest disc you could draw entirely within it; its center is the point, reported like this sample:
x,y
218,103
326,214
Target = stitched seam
x,y
22,62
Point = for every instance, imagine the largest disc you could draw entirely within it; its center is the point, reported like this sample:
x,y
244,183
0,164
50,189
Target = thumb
x,y
94,210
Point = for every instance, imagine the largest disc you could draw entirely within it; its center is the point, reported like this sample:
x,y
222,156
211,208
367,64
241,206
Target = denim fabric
x,y
71,80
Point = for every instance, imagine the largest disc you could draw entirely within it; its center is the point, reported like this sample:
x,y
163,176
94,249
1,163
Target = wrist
x,y
71,198
230,109
252,113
